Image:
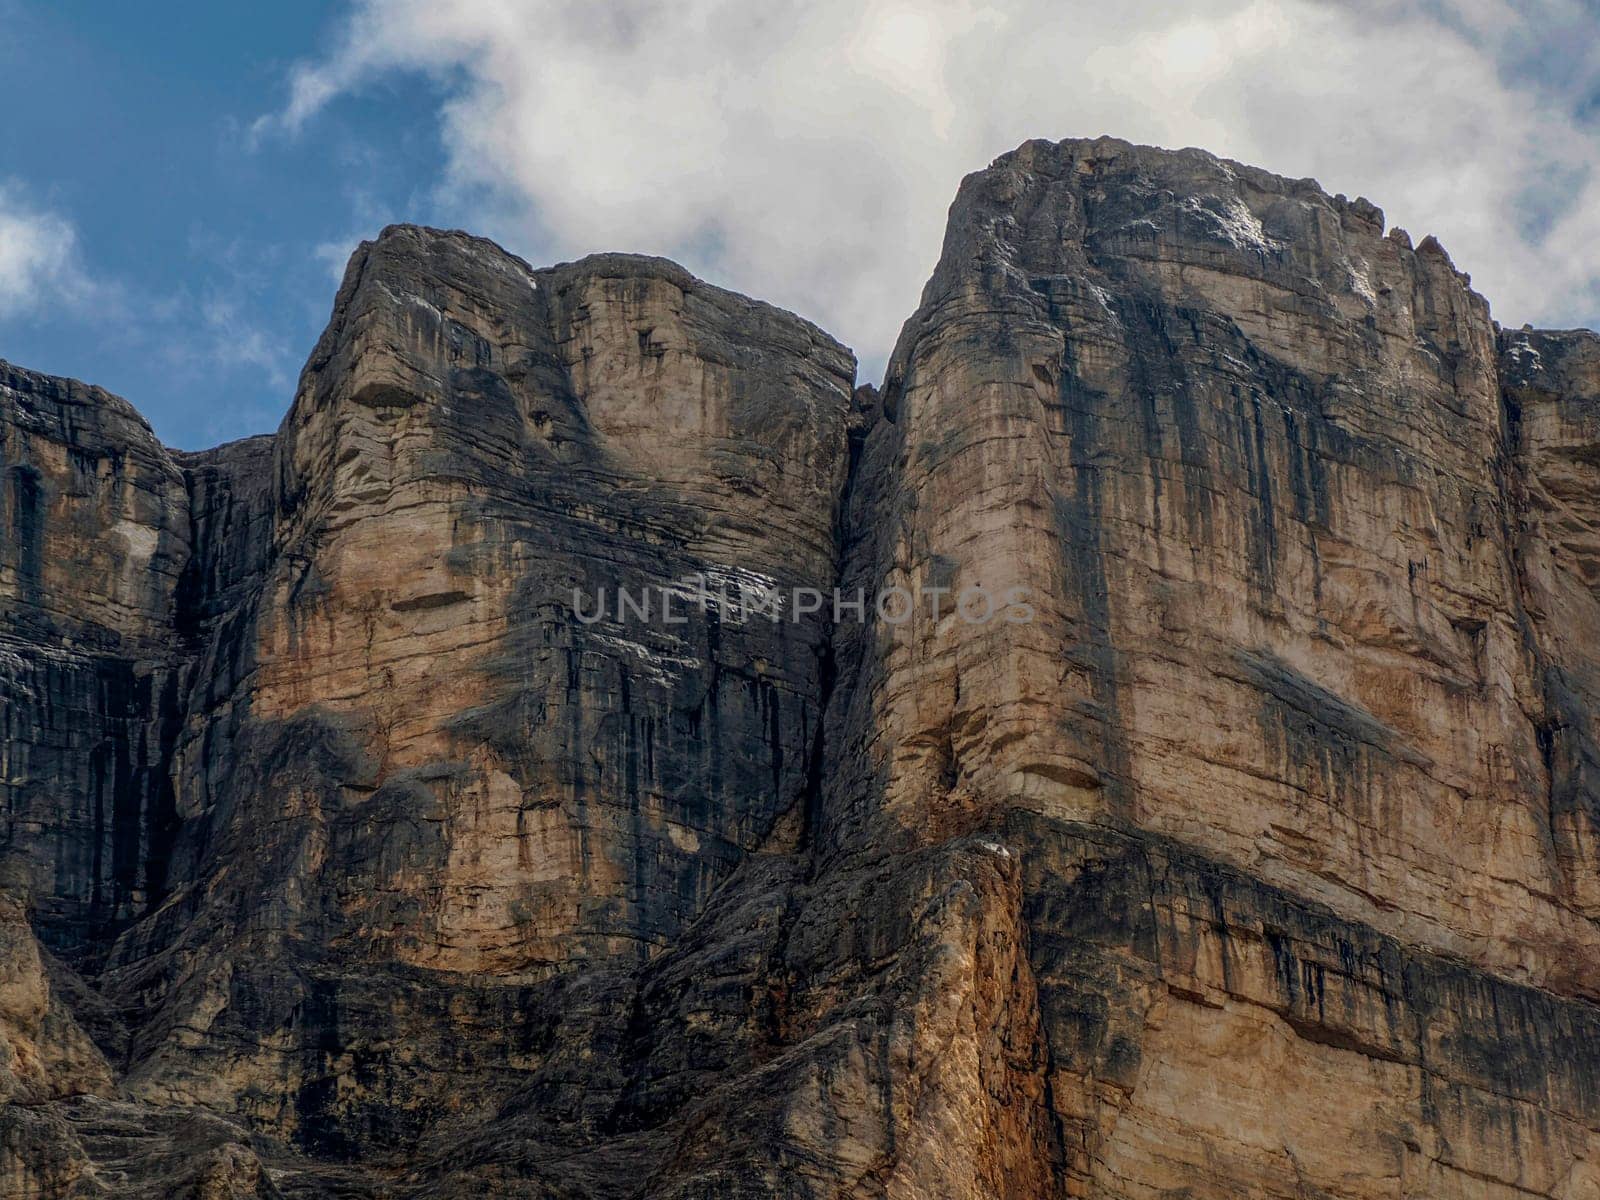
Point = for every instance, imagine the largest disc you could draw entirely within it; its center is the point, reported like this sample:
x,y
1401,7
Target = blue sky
x,y
180,183
208,257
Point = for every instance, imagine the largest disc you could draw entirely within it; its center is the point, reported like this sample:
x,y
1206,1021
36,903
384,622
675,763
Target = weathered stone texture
x,y
1250,848
1552,389
1248,454
94,536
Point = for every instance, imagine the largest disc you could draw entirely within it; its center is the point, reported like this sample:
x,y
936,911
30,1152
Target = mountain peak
x,y
595,749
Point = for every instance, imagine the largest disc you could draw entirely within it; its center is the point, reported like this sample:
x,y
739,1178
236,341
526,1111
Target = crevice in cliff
x,y
188,598
1510,473
827,680
862,403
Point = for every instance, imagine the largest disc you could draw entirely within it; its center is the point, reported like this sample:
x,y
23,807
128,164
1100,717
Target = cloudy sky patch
x,y
39,266
805,154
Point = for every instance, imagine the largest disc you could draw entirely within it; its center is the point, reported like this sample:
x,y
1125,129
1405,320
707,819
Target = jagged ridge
x,y
1261,860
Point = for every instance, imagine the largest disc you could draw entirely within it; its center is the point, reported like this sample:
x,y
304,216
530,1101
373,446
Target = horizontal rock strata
x,y
360,840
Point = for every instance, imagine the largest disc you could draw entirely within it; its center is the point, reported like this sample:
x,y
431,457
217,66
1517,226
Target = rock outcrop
x,y
475,789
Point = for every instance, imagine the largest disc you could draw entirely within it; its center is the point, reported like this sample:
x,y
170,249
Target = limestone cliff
x,y
359,841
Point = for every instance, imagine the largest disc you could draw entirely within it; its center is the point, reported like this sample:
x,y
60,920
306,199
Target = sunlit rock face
x,y
480,459
1249,453
450,796
1552,398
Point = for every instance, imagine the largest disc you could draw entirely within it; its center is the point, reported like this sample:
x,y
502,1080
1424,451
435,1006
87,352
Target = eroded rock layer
x,y
453,795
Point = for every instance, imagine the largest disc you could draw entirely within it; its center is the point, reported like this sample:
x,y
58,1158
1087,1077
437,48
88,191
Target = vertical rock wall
x,y
1294,749
1229,829
94,536
1248,454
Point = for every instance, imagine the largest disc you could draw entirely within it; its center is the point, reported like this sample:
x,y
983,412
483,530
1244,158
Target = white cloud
x,y
368,214
806,154
335,253
39,264
234,342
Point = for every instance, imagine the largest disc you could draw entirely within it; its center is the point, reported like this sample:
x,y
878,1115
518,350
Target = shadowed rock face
x,y
1248,849
94,541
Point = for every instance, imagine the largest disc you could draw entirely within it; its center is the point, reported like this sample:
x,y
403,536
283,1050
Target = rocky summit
x,y
538,770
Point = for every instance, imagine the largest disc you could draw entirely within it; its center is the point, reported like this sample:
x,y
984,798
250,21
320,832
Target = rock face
x,y
461,793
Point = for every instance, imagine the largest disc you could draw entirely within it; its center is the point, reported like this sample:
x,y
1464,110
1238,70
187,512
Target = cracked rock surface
x,y
361,840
